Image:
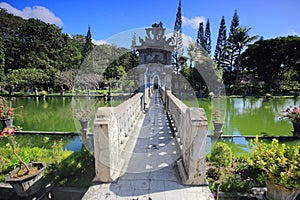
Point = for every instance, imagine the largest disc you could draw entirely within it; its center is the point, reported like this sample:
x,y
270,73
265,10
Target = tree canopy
x,y
37,54
273,61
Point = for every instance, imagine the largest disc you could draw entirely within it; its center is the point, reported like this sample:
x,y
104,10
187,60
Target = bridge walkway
x,y
151,172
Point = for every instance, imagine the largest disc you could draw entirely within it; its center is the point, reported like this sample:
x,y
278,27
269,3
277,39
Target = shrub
x,y
221,155
280,164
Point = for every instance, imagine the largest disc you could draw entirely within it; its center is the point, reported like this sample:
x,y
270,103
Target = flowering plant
x,y
217,117
293,114
8,133
6,109
81,113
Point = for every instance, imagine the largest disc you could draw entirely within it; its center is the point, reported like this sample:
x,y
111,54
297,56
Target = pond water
x,y
242,116
53,114
250,117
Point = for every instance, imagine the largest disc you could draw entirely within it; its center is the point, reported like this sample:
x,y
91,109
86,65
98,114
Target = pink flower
x,y
7,131
10,131
293,114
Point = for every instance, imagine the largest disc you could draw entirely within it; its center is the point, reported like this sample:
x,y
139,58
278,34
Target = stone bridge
x,y
151,146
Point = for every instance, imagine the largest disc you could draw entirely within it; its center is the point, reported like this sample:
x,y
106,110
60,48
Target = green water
x,y
251,116
52,114
242,116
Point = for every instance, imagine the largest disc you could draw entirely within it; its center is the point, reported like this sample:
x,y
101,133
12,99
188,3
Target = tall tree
x,y
272,60
231,50
177,34
221,44
241,39
207,38
88,41
200,37
230,43
235,22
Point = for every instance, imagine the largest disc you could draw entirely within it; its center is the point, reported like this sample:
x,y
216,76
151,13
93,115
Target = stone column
x,y
192,166
102,146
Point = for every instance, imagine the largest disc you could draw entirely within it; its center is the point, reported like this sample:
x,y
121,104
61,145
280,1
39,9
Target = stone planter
x,y
7,122
218,127
27,185
84,124
277,192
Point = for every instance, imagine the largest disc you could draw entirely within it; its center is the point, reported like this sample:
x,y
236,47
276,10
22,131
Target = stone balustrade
x,y
112,127
190,127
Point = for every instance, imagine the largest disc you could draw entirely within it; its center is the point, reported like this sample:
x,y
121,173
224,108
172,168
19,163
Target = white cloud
x,y
99,42
292,32
186,40
37,12
194,22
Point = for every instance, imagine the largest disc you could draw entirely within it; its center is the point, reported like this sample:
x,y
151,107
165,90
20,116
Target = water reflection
x,y
253,116
74,145
242,116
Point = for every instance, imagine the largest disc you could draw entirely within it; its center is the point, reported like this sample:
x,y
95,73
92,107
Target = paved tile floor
x,y
151,171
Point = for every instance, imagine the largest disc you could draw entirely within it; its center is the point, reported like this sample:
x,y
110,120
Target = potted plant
x,y
293,114
83,115
26,179
6,112
217,122
279,165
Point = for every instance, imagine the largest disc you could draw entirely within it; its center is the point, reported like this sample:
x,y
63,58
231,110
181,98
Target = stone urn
x,y
8,122
218,126
30,184
84,126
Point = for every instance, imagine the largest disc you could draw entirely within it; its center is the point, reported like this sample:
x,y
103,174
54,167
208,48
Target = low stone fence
x,y
190,127
111,128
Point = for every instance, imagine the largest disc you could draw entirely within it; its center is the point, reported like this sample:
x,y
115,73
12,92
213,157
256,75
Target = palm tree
x,y
241,39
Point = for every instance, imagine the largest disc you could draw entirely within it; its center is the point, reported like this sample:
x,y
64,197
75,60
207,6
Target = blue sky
x,y
267,18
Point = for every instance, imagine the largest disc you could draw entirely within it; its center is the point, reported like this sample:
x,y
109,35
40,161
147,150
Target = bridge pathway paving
x,y
151,172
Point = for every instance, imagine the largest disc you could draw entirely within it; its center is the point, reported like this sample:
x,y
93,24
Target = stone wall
x,y
190,127
112,126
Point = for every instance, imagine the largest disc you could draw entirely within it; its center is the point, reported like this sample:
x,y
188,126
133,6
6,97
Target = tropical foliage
x,y
279,163
36,55
279,56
